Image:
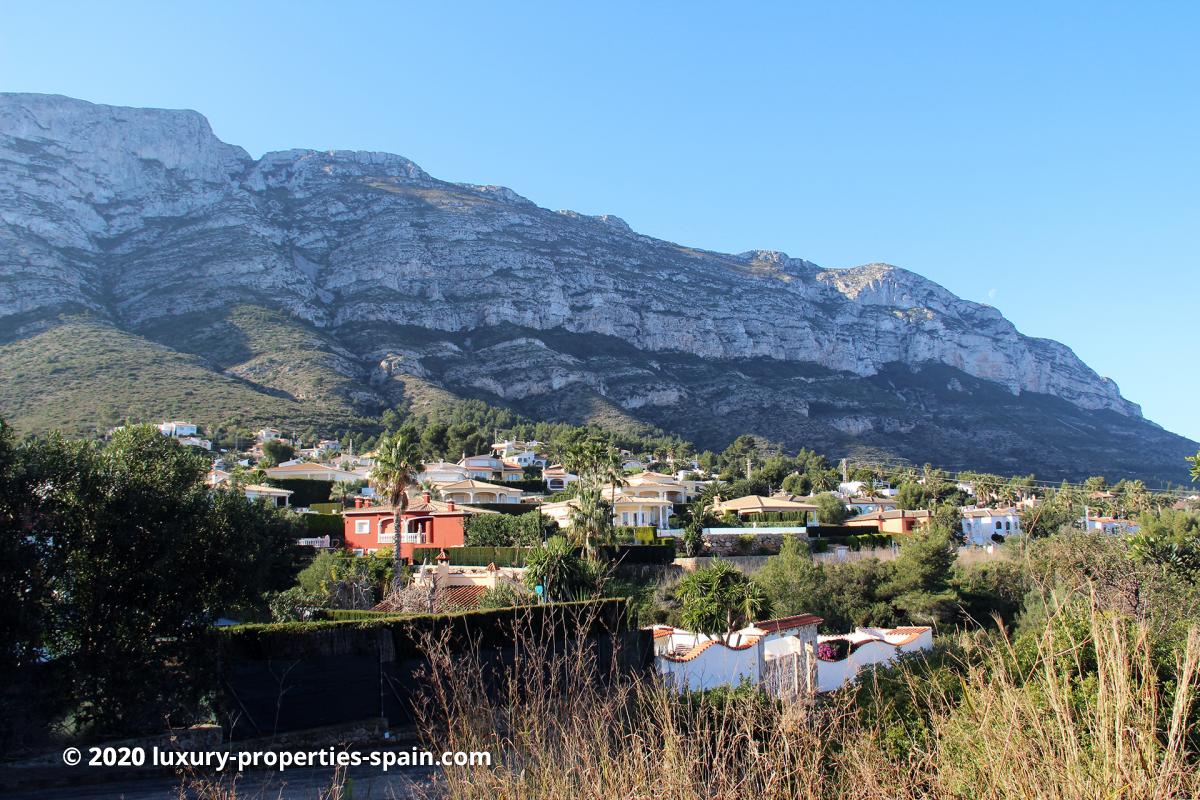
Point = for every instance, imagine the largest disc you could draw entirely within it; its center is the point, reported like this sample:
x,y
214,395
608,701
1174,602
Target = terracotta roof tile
x,y
787,623
465,596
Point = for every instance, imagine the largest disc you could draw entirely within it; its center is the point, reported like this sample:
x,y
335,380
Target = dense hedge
x,y
515,556
474,556
639,553
515,509
492,628
324,525
351,614
304,492
858,541
326,508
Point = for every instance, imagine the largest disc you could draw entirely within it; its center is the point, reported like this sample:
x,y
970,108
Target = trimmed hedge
x,y
474,556
304,492
639,553
324,525
358,630
513,509
858,541
326,508
515,556
352,615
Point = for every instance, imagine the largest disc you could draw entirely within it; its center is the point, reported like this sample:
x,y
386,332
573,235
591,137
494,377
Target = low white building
x,y
840,658
439,472
980,524
777,654
1110,525
556,478
281,498
178,429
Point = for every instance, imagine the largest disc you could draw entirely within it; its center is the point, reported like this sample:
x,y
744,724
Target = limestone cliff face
x,y
147,268
141,215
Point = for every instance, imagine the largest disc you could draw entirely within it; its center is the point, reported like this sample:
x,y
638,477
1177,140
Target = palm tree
x,y
591,518
397,461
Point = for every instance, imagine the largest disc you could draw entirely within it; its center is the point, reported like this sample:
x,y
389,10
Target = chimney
x,y
443,569
450,506
426,496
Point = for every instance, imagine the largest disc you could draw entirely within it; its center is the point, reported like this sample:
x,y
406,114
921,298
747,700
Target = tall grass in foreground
x,y
1088,719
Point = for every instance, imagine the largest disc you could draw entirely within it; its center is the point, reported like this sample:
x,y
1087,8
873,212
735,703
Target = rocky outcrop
x,y
142,218
143,214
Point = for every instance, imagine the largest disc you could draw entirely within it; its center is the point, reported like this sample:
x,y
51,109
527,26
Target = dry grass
x,y
560,724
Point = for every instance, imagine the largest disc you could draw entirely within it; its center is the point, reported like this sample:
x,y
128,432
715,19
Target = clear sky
x,y
1041,157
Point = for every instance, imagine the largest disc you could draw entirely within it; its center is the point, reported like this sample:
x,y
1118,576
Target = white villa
x,y
269,494
471,491
439,472
523,453
778,654
491,468
556,478
1111,525
979,524
785,656
178,429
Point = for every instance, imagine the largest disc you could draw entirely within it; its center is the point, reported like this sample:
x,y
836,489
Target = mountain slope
x,y
340,281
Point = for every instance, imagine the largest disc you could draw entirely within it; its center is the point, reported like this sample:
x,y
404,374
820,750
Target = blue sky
x,y
1039,157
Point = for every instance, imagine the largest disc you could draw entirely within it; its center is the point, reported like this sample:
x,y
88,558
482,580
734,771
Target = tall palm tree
x,y
591,519
397,462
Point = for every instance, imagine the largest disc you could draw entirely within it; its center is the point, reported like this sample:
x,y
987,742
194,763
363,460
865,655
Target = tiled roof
x,y
756,504
991,512
788,623
899,636
691,653
471,483
465,596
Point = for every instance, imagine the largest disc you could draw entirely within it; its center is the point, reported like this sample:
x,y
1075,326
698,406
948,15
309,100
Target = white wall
x,y
833,675
717,666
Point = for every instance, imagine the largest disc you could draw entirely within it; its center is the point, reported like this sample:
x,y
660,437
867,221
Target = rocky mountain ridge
x,y
139,218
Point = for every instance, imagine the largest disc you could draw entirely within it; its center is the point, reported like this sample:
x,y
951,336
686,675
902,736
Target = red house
x,y
425,523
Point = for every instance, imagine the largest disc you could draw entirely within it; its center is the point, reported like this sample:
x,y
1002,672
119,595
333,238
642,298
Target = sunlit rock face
x,y
141,216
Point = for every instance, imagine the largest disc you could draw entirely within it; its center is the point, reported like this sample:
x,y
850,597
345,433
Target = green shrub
x,y
324,525
474,556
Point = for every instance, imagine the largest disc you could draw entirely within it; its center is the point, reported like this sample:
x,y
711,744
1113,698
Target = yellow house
x,y
473,491
628,510
756,505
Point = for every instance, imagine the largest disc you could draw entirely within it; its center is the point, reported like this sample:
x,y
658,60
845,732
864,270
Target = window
x,y
362,526
998,525
358,551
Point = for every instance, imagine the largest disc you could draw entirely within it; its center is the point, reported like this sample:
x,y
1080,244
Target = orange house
x,y
425,523
894,521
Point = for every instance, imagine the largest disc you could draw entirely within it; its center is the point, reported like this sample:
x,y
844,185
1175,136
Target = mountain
x,y
148,269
